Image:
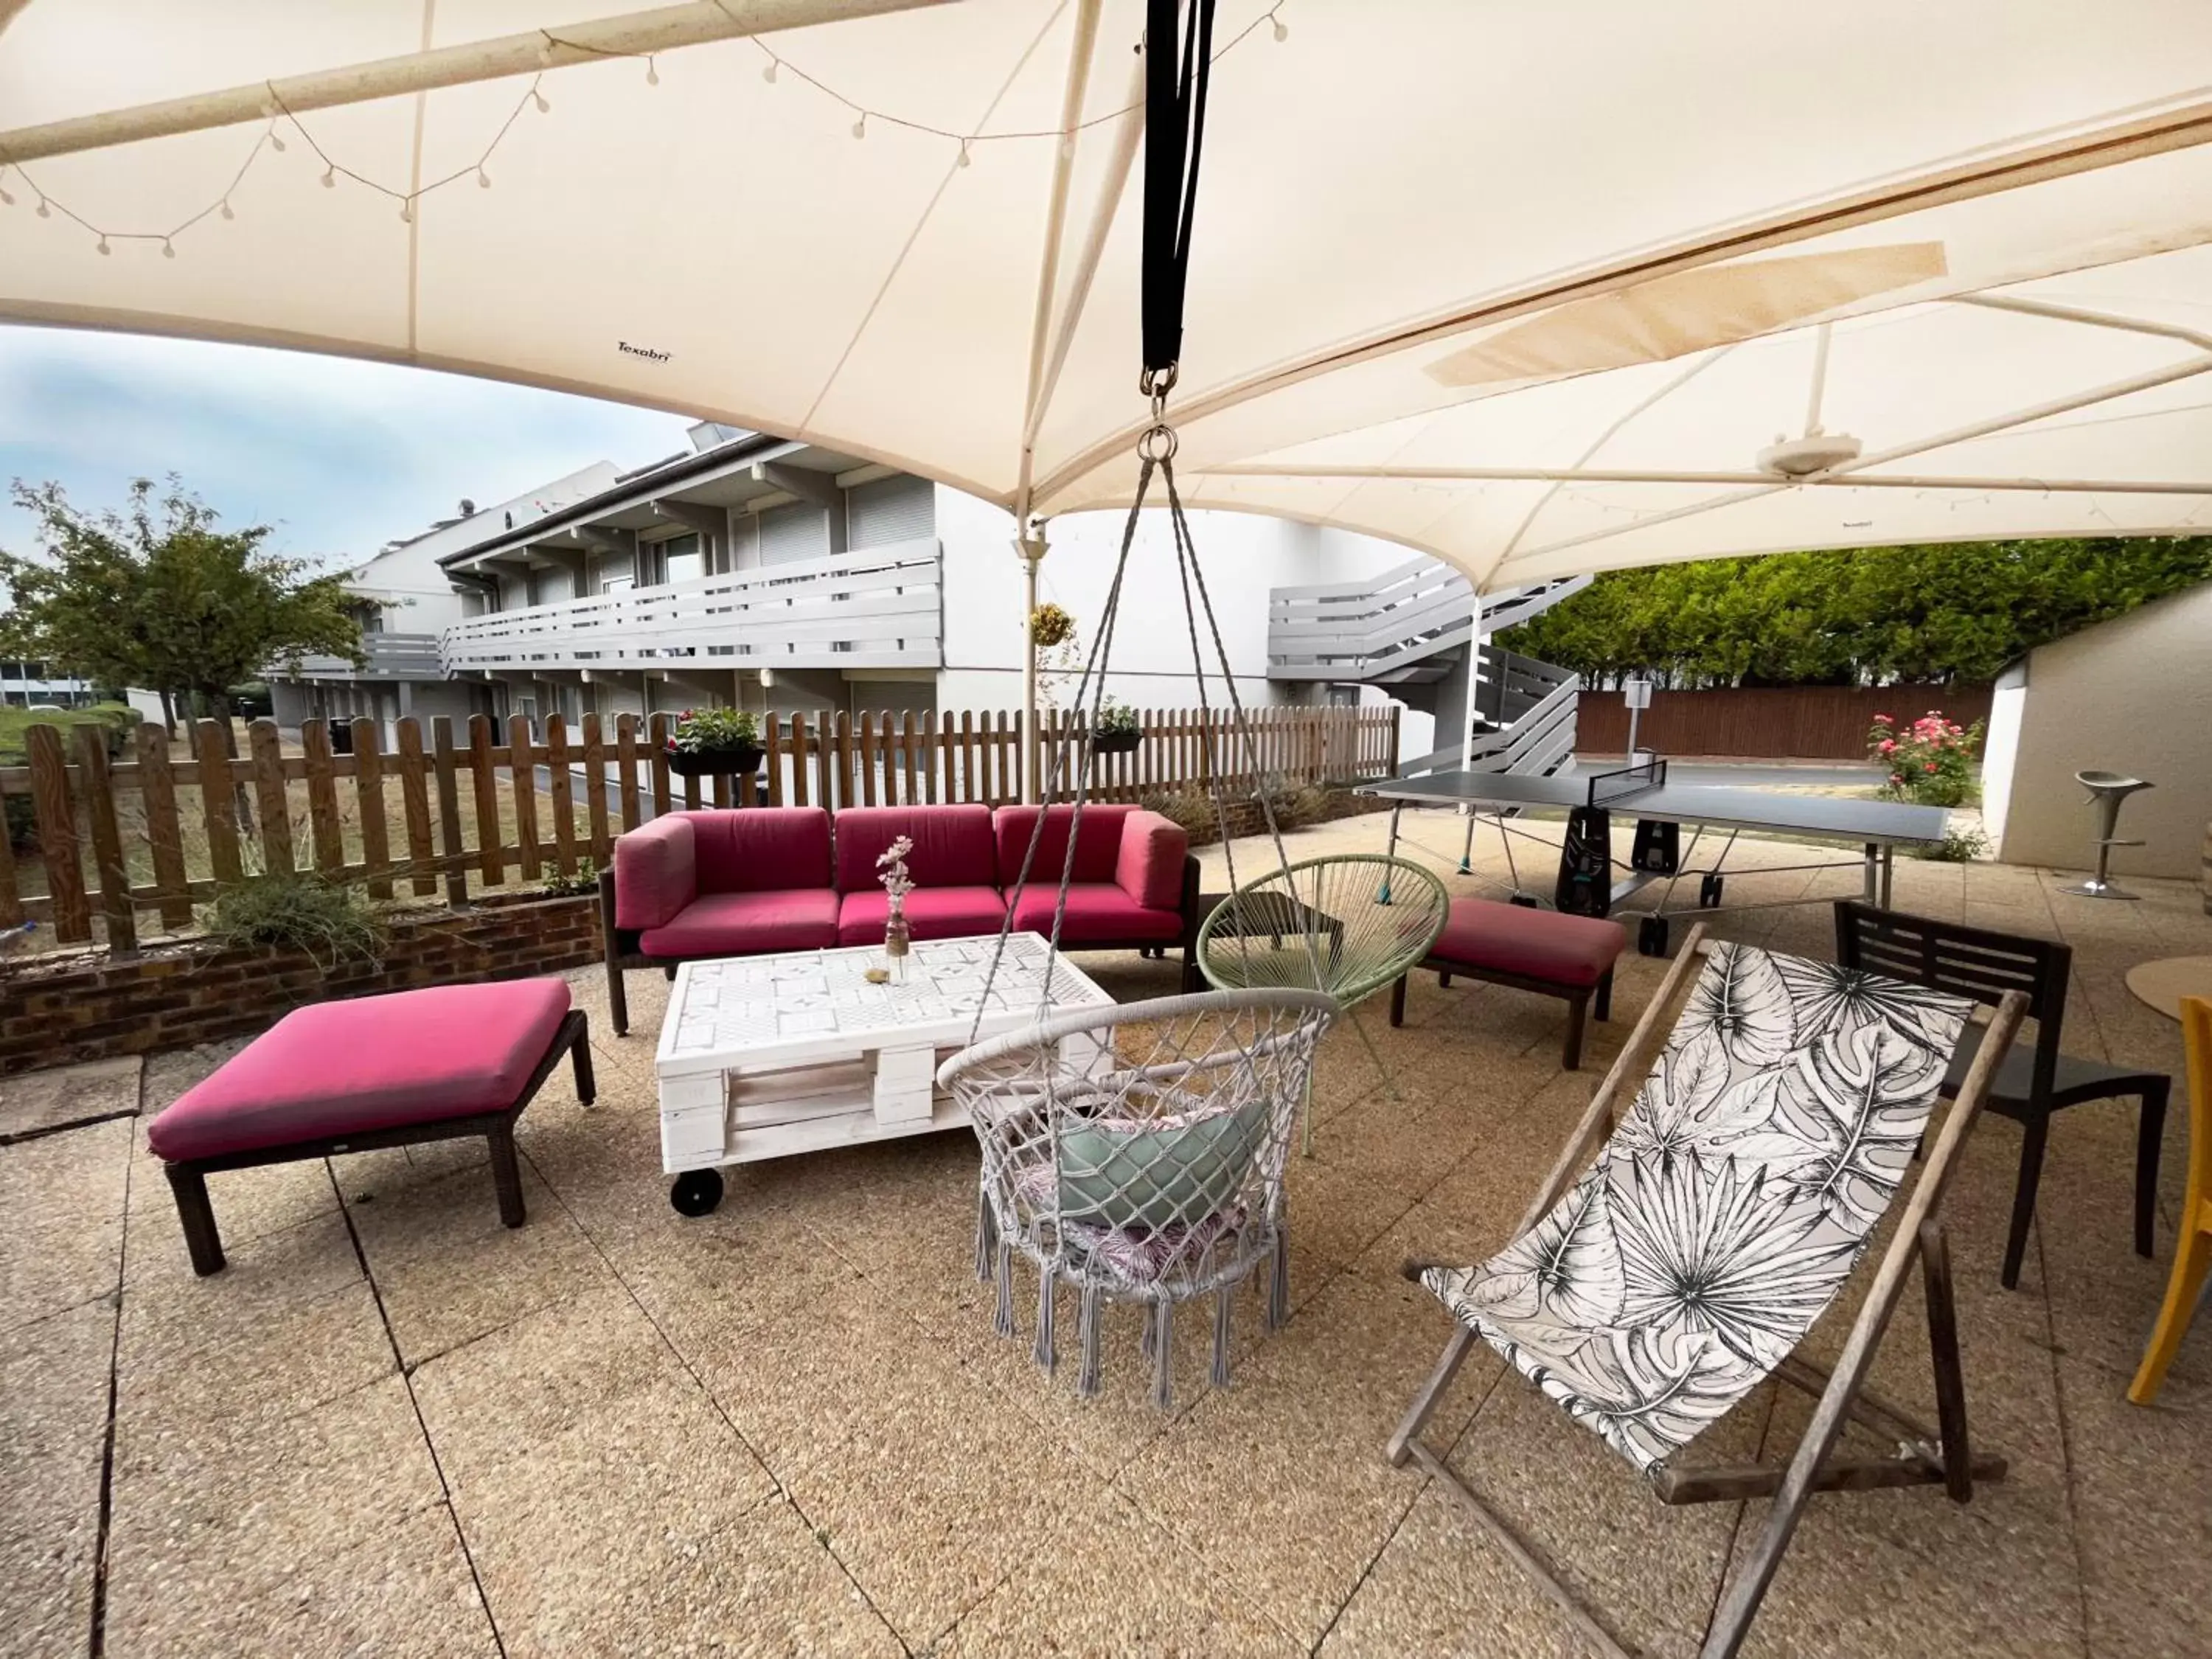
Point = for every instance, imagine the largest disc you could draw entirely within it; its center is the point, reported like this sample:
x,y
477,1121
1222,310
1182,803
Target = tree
x,y
1929,613
158,596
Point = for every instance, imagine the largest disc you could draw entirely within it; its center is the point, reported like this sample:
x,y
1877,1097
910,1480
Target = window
x,y
900,508
616,584
797,530
681,558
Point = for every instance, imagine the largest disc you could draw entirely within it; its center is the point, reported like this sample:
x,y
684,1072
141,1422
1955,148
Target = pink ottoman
x,y
440,1064
1556,955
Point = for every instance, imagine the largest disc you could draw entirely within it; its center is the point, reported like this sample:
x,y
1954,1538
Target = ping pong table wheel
x,y
697,1192
1708,892
1526,901
1651,936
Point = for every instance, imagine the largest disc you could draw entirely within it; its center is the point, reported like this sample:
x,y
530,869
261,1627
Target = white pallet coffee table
x,y
768,1056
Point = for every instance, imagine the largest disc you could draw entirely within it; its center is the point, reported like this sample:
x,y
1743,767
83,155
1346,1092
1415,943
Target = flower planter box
x,y
716,762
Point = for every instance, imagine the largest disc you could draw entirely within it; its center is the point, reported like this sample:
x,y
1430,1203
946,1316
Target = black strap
x,y
1174,130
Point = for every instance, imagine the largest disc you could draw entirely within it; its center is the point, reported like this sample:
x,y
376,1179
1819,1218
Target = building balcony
x,y
391,657
882,607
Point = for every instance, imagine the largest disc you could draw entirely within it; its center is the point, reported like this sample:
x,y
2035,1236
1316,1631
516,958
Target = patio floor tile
x,y
53,1426
40,1101
62,1195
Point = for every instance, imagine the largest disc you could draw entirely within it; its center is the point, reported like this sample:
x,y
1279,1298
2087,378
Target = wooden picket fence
x,y
161,827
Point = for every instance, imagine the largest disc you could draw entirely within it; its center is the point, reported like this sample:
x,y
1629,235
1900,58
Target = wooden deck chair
x,y
1650,1290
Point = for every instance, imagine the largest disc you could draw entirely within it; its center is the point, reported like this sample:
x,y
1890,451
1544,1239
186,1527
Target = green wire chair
x,y
1349,925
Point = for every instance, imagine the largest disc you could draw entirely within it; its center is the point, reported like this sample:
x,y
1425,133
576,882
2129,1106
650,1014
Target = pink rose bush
x,y
1930,761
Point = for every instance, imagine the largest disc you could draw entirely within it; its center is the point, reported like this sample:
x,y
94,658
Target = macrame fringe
x,y
987,1235
1044,1351
1086,1321
1279,1282
1224,1307
1003,1322
1163,1355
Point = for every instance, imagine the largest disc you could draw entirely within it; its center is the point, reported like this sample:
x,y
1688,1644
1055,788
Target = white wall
x,y
2133,695
2000,750
1241,555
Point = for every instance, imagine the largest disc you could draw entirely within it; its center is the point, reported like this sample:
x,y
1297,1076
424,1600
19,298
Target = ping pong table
x,y
1585,884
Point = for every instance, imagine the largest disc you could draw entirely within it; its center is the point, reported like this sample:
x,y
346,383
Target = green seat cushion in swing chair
x,y
1124,1175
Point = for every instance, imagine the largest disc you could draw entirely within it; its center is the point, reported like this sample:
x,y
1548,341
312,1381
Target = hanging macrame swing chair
x,y
1137,1155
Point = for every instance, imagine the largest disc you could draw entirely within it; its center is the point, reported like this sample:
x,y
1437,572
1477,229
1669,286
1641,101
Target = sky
x,y
340,456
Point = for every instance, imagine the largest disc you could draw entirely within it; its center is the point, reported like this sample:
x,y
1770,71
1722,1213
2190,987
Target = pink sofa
x,y
757,880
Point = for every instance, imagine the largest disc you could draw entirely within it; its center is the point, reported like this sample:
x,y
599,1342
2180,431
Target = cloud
x,y
340,456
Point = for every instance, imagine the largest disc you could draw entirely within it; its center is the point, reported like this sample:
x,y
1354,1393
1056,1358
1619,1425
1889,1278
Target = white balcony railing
x,y
879,608
391,657
1363,630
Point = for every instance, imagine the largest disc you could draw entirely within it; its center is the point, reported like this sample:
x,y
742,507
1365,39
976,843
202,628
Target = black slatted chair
x,y
2034,1081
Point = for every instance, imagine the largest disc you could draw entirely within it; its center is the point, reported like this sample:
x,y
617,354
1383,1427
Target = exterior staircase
x,y
1410,631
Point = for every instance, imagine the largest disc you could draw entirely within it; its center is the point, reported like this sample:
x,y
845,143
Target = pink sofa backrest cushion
x,y
1098,843
952,846
761,849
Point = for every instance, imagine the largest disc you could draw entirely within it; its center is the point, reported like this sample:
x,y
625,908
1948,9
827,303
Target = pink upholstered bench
x,y
1571,958
440,1064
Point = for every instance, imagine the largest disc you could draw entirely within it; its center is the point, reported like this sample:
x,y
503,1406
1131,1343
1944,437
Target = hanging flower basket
x,y
1123,742
715,743
740,762
1115,729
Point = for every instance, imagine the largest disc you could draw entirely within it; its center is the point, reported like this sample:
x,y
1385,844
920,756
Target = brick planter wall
x,y
61,1009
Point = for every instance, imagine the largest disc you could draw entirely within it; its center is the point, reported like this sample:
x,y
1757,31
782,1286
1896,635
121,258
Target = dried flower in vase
x,y
892,861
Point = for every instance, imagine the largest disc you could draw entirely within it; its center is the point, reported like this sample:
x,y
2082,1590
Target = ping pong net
x,y
1626,783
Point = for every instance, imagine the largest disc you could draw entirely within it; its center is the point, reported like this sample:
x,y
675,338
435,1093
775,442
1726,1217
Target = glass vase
x,y
897,940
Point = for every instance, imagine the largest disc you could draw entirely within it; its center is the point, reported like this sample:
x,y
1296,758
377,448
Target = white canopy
x,y
1527,287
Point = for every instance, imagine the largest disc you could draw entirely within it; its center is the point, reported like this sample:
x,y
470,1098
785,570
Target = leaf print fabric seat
x,y
1728,1208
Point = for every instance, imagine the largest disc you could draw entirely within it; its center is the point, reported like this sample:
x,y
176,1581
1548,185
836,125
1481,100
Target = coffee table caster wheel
x,y
1708,892
697,1192
1651,936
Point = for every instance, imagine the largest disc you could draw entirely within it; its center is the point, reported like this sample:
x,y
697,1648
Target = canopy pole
x,y
1030,548
639,33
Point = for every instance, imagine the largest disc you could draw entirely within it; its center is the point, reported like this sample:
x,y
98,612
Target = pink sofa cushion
x,y
747,924
342,1068
931,913
762,849
656,872
1149,867
1098,912
952,846
1097,842
1544,944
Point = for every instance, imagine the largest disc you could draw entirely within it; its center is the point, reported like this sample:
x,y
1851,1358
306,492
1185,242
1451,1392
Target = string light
x,y
274,111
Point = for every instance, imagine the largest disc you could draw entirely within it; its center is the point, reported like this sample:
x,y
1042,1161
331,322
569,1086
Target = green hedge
x,y
120,719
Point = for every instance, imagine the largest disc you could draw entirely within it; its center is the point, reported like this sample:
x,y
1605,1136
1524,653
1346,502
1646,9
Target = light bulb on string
x,y
44,212
539,99
1282,29
768,74
861,126
331,177
168,249
225,211
484,179
652,73
6,200
103,246
964,160
406,211
275,143
1067,145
